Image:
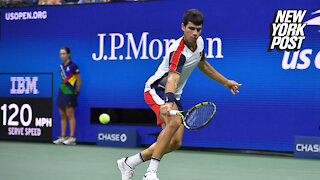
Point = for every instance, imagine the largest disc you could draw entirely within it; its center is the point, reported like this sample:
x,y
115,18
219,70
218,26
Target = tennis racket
x,y
198,116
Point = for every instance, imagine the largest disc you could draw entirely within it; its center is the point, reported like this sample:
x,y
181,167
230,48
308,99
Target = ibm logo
x,y
24,85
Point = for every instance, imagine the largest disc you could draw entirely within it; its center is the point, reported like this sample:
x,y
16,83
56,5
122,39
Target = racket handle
x,y
173,112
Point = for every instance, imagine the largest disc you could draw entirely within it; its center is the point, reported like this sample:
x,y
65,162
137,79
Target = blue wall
x,y
274,104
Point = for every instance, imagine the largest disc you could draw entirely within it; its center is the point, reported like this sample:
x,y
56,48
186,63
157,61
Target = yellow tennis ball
x,y
104,118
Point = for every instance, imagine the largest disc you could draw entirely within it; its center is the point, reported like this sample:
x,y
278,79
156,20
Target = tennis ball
x,y
104,118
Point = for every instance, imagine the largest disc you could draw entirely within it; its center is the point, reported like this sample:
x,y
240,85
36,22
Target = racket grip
x,y
173,112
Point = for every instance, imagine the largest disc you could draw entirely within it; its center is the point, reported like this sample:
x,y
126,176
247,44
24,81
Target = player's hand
x,y
232,86
165,109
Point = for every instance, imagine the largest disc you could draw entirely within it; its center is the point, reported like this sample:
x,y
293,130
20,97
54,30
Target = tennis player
x,y
163,91
67,97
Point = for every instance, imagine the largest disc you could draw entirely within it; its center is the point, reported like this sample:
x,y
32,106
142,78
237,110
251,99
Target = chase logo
x,y
119,137
112,137
24,85
315,148
307,147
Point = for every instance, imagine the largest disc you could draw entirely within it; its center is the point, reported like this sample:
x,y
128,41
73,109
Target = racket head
x,y
200,115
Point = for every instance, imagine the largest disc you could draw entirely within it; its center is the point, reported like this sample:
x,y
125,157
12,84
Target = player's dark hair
x,y
194,16
66,49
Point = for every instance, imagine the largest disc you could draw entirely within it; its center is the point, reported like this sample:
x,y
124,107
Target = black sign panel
x,y
26,118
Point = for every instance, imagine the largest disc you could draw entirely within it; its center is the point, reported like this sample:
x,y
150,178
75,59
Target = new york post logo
x,y
286,31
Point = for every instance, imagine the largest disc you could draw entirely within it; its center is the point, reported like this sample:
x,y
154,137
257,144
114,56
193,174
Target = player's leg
x,y
173,130
127,165
173,123
72,120
146,155
176,140
72,123
63,115
174,144
151,99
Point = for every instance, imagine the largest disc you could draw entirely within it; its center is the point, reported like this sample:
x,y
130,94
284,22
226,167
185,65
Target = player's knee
x,y
63,116
175,144
70,115
173,123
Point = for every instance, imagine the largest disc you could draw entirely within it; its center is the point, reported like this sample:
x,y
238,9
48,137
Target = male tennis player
x,y
163,91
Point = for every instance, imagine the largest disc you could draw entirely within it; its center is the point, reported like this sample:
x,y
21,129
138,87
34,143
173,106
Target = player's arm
x,y
78,78
177,60
208,70
172,82
171,86
76,73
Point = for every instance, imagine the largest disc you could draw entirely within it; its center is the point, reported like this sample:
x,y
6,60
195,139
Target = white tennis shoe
x,y
150,175
70,141
60,140
126,171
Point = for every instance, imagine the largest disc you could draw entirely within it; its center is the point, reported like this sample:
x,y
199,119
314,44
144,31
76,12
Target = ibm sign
x,y
120,137
26,106
24,85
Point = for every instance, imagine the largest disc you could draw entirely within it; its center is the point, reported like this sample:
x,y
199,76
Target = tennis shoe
x,y
126,171
60,140
150,175
70,141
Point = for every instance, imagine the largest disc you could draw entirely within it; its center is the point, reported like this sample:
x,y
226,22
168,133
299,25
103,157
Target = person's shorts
x,y
69,100
154,98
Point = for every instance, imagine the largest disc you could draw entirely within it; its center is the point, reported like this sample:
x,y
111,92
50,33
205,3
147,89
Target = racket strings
x,y
200,116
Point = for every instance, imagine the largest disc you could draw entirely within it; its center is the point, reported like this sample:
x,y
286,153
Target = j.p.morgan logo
x,y
30,15
117,46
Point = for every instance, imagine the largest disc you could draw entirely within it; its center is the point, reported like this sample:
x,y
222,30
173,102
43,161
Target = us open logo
x,y
286,31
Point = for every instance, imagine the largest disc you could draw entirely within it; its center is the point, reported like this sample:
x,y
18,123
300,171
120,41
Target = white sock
x,y
135,160
154,164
